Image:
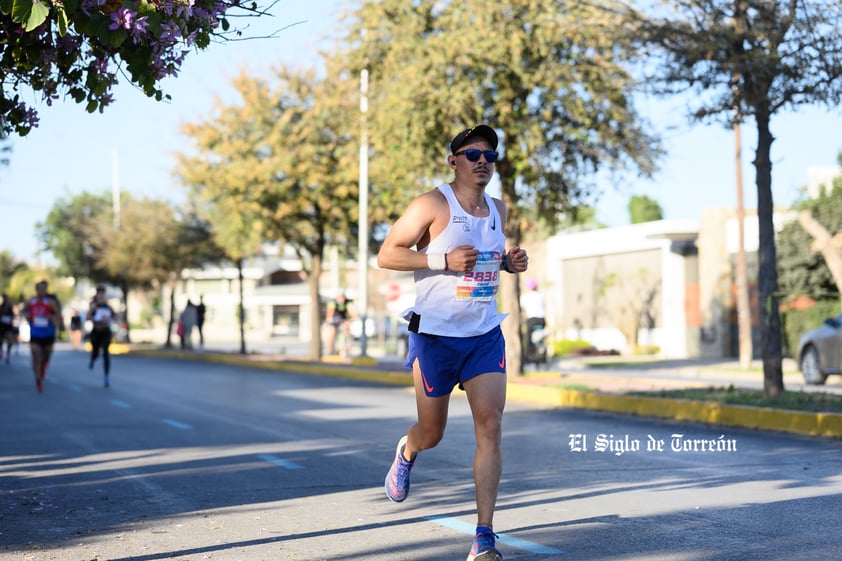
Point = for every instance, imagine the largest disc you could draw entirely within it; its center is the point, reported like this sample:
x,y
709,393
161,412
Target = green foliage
x,y
801,270
643,209
151,240
280,165
78,48
9,267
550,80
74,231
796,323
789,401
566,347
742,59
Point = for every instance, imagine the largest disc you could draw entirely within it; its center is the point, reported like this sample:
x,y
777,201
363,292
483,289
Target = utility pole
x,y
362,257
115,187
743,303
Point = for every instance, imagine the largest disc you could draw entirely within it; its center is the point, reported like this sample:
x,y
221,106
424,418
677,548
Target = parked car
x,y
820,351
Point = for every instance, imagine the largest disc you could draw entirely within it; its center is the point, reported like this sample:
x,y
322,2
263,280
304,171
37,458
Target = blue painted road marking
x,y
286,464
177,424
122,404
509,541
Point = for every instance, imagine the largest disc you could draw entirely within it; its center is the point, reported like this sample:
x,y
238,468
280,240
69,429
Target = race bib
x,y
480,285
6,319
40,322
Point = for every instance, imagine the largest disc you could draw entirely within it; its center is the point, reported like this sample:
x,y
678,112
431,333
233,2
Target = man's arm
x,y
425,218
409,231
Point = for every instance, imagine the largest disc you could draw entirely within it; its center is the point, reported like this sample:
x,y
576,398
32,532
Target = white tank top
x,y
462,304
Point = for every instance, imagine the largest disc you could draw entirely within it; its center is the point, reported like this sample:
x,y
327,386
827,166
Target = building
x,y
626,287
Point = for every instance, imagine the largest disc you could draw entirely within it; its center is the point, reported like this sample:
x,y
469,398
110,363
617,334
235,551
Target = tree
x,y
77,48
192,245
550,79
9,266
5,148
802,271
138,252
748,59
643,209
280,166
816,273
73,234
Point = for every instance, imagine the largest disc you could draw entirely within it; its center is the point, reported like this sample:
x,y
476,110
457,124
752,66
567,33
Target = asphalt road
x,y
192,461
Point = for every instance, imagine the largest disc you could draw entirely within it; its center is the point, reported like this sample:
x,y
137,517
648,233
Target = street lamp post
x,y
363,211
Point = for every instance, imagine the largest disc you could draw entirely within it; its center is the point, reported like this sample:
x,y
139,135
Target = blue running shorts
x,y
448,361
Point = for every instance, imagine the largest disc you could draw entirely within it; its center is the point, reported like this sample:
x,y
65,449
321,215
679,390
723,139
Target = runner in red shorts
x,y
43,313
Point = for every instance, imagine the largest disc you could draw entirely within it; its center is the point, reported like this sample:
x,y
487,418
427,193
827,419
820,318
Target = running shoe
x,y
397,480
482,549
107,381
39,385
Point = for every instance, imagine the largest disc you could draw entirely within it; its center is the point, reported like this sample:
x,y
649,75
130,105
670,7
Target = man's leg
x,y
487,398
40,356
330,339
36,351
106,353
95,343
424,434
432,418
45,361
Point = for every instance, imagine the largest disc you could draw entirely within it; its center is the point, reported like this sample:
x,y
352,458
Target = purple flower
x,y
138,29
122,18
170,32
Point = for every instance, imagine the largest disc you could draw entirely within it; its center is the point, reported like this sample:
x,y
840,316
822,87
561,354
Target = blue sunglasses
x,y
472,154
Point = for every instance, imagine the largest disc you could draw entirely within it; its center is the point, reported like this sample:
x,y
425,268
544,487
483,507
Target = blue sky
x,y
72,151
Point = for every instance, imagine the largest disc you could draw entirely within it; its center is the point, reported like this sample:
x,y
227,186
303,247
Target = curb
x,y
711,413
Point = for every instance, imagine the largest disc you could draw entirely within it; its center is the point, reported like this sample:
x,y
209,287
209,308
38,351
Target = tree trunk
x,y
767,275
125,288
242,307
828,245
315,309
168,344
509,284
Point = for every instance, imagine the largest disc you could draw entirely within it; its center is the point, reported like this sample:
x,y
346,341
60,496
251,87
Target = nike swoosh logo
x,y
502,363
427,386
494,223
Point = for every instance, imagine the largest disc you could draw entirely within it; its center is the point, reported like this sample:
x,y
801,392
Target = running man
x,y
101,316
8,329
452,238
43,313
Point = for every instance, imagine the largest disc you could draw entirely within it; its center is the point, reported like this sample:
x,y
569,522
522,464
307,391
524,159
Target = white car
x,y
820,351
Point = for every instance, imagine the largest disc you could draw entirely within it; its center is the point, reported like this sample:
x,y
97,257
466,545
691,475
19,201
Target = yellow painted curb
x,y
327,369
801,422
816,424
113,348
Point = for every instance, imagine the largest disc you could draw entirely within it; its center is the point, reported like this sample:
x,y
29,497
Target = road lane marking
x,y
509,541
286,464
120,403
177,424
